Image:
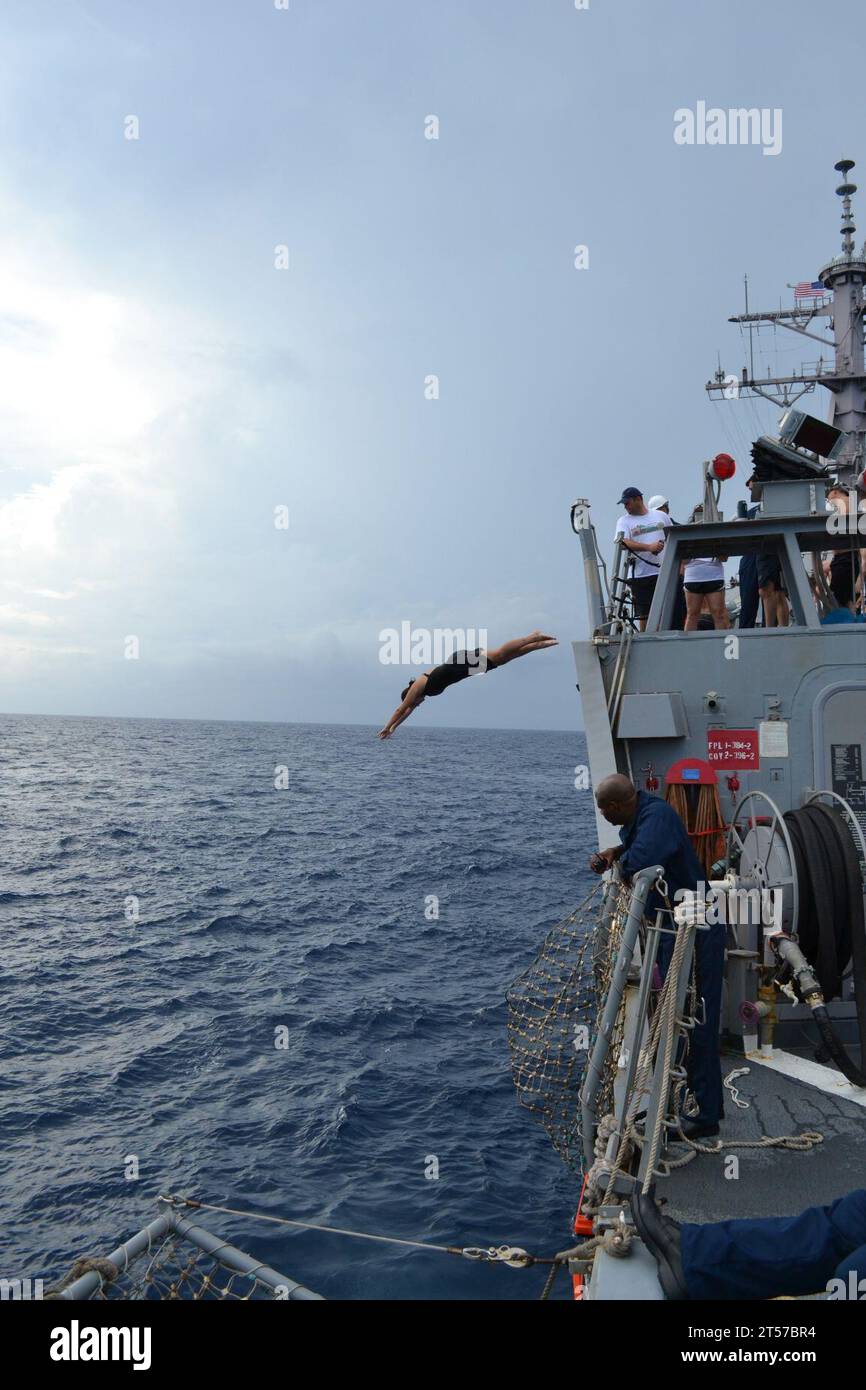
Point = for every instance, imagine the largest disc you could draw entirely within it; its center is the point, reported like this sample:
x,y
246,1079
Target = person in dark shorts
x,y
846,566
704,580
642,529
844,571
749,597
772,591
457,668
704,588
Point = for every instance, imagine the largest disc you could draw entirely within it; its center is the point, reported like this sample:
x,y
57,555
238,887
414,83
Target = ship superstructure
x,y
771,724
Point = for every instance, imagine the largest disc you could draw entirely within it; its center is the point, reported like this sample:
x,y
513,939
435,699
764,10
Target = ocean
x,y
179,897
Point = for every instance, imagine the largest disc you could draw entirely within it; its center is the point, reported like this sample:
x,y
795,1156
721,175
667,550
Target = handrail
x,y
643,881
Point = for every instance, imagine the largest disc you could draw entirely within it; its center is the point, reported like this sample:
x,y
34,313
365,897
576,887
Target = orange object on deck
x,y
693,791
582,1227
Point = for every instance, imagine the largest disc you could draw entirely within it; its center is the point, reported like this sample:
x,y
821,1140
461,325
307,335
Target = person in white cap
x,y
660,503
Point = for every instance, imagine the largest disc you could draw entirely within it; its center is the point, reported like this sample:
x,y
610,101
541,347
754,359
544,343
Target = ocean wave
x,y
158,1038
334,952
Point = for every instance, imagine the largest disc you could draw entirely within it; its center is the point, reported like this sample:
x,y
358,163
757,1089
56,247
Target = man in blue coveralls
x,y
822,1249
652,833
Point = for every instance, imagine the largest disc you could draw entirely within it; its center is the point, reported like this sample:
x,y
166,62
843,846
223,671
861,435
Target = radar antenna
x,y
837,295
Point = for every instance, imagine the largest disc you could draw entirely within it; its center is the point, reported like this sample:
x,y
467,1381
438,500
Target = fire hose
x,y
831,928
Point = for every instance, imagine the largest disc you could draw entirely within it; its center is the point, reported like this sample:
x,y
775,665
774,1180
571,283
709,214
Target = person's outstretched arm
x,y
519,646
414,696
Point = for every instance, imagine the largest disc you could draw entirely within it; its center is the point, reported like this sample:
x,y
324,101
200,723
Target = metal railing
x,y
173,1258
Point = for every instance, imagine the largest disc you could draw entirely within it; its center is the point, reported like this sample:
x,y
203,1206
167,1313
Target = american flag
x,y
806,289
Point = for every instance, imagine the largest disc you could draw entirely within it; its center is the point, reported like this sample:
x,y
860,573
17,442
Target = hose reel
x,y
816,858
765,857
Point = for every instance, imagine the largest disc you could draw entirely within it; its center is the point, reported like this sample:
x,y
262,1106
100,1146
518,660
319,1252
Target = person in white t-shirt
x,y
704,584
643,532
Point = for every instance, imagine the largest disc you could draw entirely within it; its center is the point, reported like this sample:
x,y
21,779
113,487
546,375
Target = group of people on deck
x,y
701,600
642,528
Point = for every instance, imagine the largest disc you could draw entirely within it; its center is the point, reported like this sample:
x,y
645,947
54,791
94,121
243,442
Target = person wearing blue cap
x,y
643,533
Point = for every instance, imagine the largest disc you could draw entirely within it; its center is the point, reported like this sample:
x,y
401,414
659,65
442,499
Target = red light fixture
x,y
722,468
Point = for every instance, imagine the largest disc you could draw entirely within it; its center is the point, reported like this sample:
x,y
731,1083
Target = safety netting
x,y
553,1011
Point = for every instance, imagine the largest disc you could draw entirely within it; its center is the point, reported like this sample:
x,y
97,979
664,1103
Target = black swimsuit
x,y
457,668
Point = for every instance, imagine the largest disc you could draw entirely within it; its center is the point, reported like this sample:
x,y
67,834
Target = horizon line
x,y
306,723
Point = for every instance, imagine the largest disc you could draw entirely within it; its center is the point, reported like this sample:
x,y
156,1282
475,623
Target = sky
x,y
233,262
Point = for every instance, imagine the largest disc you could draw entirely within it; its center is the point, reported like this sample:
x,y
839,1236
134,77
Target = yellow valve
x,y
769,1017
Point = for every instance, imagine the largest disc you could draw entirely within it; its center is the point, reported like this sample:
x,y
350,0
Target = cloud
x,y
12,617
99,390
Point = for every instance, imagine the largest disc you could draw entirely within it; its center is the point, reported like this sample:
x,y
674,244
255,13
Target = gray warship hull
x,y
773,720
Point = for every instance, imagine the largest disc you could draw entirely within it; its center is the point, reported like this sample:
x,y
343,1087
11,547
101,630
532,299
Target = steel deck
x,y
774,1182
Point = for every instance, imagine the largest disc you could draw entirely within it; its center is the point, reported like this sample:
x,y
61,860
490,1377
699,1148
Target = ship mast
x,y
843,279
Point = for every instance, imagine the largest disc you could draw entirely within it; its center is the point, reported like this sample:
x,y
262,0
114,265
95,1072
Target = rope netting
x,y
553,1009
175,1272
171,1265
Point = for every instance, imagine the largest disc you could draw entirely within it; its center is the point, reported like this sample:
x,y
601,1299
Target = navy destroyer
x,y
745,732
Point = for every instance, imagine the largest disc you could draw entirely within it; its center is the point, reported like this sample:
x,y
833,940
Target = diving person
x,y
821,1250
457,668
652,833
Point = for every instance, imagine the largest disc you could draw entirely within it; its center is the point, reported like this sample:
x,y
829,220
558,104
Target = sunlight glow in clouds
x,y
86,377
70,376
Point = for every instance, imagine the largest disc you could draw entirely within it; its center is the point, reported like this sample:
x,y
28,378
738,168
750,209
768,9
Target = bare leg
x,y
768,599
519,646
694,604
718,609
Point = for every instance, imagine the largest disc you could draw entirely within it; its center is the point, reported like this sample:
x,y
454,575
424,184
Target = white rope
x,y
729,1084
